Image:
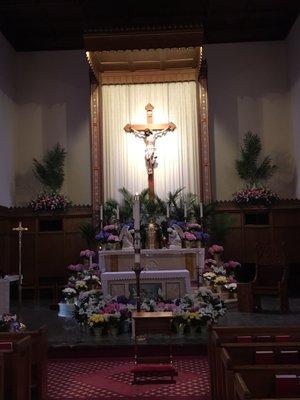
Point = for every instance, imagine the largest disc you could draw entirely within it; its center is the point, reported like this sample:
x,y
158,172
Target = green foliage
x,y
248,167
88,232
110,211
219,226
216,224
50,172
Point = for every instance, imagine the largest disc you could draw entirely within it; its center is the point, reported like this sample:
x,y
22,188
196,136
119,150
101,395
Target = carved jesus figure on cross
x,y
150,132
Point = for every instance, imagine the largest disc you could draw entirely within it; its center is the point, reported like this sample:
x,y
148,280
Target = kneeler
x,y
146,366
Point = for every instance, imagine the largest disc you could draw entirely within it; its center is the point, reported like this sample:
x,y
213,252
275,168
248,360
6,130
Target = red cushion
x,y
153,368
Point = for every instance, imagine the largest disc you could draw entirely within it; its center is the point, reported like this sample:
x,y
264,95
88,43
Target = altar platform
x,y
65,333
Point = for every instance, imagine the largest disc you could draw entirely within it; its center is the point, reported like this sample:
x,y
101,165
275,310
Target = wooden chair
x,y
271,275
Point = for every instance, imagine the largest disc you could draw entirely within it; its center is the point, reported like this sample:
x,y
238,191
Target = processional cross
x,y
20,229
150,132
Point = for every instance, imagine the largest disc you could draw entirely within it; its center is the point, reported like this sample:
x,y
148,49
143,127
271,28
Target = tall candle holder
x,y
137,268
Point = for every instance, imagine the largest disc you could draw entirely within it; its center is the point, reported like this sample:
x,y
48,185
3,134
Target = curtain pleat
x,y
123,153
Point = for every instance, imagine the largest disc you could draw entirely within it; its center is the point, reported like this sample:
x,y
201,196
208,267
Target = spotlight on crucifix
x,y
150,132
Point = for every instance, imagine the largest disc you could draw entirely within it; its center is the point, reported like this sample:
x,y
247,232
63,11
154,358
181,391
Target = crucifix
x,y
20,229
150,132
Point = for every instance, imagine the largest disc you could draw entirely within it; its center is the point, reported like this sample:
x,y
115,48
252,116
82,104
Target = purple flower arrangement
x,y
253,196
49,202
192,231
108,234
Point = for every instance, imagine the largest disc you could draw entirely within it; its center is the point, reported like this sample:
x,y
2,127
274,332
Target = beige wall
x,y
44,98
248,90
7,118
53,106
293,45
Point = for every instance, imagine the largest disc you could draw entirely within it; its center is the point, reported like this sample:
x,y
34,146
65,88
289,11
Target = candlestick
x,y
168,210
136,211
201,210
185,211
118,212
101,212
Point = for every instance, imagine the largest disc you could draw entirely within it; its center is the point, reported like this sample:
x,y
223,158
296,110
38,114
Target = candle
x,y
168,210
185,211
101,212
136,212
118,212
201,210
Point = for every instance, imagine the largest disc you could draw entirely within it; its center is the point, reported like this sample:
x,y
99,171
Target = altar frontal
x,y
168,285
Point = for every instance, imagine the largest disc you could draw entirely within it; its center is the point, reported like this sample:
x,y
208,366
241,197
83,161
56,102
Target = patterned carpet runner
x,y
104,379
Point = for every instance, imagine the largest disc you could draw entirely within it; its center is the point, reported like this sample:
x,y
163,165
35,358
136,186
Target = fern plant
x,y
50,172
248,166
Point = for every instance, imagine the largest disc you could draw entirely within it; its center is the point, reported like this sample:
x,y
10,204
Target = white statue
x,y
150,139
126,236
175,234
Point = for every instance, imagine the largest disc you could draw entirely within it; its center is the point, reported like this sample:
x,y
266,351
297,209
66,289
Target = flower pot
x,y
125,326
195,330
198,244
180,329
218,289
188,244
66,310
98,330
114,331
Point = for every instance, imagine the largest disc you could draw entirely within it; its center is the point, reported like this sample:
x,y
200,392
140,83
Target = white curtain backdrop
x,y
123,153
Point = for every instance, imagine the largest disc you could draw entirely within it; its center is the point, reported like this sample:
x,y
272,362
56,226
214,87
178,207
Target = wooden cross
x,y
150,132
20,229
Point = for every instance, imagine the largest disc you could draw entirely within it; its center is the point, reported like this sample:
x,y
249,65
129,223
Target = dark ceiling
x,y
60,24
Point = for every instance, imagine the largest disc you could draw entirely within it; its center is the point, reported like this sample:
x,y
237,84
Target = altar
x,y
167,284
154,260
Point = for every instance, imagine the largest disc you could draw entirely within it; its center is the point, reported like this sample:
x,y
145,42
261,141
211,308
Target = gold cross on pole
x,y
20,229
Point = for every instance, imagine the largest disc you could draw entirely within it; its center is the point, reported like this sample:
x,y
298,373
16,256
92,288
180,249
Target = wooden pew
x,y
1,376
218,336
17,370
248,384
39,347
233,360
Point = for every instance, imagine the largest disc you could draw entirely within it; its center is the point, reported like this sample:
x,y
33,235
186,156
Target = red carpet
x,y
105,379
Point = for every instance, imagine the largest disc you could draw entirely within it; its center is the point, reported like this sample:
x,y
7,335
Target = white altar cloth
x,y
153,260
173,283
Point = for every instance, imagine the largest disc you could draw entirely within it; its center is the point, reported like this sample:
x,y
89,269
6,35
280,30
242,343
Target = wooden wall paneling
x,y
74,243
50,254
72,224
253,235
290,236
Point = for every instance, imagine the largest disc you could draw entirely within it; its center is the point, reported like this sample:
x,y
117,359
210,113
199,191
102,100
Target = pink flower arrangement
x,y
87,253
189,236
191,225
232,264
215,249
111,227
76,267
113,239
49,202
259,195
